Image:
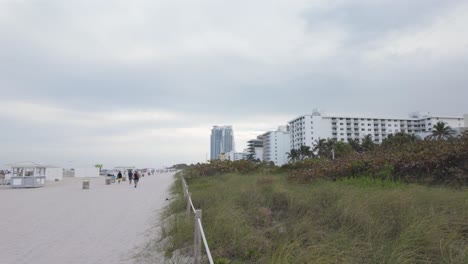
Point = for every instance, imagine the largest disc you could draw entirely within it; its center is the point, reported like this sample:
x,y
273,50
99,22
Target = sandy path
x,y
61,223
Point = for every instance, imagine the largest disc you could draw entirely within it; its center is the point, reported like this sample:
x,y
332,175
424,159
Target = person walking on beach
x,y
130,176
136,178
119,177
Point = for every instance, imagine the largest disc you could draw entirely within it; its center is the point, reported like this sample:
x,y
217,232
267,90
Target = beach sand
x,y
62,223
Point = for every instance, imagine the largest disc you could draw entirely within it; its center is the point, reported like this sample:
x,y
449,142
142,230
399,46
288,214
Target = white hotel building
x,y
275,146
306,129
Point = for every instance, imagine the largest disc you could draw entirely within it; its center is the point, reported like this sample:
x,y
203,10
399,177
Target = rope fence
x,y
199,234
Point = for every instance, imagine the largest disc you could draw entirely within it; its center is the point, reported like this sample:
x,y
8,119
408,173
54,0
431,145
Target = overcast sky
x,y
142,82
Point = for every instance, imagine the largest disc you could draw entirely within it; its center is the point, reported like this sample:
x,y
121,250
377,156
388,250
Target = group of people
x,y
132,176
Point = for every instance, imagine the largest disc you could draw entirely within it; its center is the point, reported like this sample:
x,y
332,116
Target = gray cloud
x,y
144,81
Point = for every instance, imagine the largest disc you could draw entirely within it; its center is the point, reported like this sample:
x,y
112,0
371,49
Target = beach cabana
x,y
27,174
54,173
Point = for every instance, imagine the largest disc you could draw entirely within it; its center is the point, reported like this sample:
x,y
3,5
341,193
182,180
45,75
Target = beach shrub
x,y
248,219
426,161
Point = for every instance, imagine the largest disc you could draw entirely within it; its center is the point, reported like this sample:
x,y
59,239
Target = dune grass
x,y
263,218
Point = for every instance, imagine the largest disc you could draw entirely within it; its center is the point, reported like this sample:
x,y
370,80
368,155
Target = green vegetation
x,y
442,131
404,201
266,218
181,166
99,166
421,161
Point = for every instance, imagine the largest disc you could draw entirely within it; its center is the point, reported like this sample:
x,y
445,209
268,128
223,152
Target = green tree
x,y
441,131
293,155
99,166
324,147
355,144
319,147
330,146
305,152
399,138
342,149
367,143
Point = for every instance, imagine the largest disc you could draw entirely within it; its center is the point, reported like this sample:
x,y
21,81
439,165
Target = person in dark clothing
x,y
136,178
119,177
130,176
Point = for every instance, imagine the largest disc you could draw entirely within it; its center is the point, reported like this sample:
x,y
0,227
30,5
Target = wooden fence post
x,y
197,246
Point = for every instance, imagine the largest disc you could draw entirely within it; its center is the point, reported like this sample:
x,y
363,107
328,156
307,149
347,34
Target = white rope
x,y
208,253
191,204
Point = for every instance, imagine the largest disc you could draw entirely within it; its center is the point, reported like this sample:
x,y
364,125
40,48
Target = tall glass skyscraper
x,y
222,141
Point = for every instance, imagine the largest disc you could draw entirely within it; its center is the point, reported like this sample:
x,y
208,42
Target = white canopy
x,y
29,164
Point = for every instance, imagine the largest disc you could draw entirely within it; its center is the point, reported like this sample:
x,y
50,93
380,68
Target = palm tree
x,y
324,147
305,152
99,166
367,143
399,138
331,144
342,149
320,145
293,155
355,144
441,131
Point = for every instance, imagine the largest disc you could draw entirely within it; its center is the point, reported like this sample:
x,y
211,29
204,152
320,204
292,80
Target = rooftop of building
x,y
411,116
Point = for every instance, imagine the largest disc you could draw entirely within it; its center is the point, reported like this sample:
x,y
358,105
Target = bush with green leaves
x,y
422,161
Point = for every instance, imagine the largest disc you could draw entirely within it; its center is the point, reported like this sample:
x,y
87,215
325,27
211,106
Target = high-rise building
x,y
306,129
222,141
255,149
276,145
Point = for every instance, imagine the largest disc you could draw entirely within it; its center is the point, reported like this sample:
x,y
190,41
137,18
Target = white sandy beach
x,y
61,223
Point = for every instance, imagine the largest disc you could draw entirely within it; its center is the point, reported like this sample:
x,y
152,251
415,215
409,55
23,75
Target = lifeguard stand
x,y
27,175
